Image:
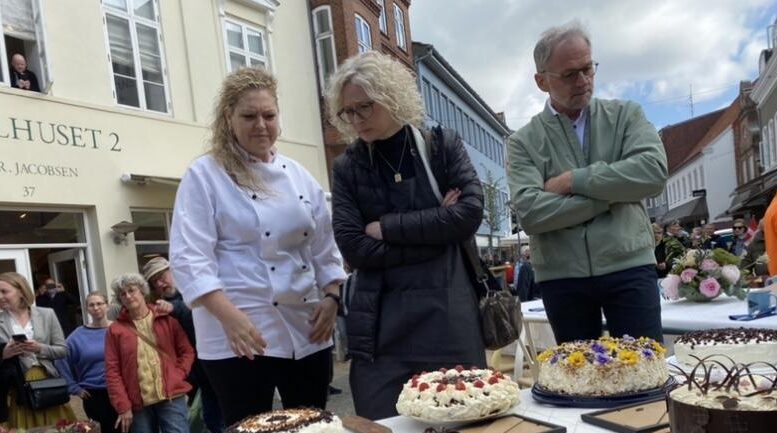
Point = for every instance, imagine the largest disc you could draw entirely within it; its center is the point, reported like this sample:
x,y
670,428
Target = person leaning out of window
x,y
147,359
34,340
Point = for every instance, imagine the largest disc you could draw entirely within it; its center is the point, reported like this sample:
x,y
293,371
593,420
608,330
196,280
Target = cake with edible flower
x,y
604,367
457,394
721,396
302,420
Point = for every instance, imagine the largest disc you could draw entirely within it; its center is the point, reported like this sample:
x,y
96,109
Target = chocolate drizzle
x,y
735,375
728,336
284,420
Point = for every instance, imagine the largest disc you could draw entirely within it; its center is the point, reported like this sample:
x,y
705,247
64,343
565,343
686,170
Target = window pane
x,y
255,44
234,35
327,56
322,21
145,9
126,90
150,60
118,4
155,97
147,252
152,226
257,63
26,227
121,46
236,61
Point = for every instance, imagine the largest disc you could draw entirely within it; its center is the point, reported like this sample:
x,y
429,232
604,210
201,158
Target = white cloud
x,y
655,50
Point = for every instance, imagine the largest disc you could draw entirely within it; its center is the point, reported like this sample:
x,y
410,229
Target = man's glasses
x,y
739,227
362,110
571,75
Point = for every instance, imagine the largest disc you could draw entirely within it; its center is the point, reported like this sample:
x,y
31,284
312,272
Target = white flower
x,y
730,273
690,258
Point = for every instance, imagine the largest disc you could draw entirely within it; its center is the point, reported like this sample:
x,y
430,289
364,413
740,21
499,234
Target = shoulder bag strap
x,y
147,340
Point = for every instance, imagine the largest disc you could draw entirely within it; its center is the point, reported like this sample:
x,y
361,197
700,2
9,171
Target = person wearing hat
x,y
160,278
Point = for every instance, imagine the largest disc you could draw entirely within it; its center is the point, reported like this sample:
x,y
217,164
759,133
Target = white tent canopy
x,y
519,238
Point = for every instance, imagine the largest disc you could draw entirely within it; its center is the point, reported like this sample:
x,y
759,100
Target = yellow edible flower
x,y
658,348
610,345
628,357
576,359
544,356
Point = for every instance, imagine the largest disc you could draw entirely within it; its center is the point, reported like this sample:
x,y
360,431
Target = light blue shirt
x,y
579,124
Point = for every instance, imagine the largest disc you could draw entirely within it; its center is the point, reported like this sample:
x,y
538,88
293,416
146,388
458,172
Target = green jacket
x,y
602,227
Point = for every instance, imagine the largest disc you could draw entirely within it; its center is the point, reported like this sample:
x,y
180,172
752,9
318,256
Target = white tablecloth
x,y
567,417
683,316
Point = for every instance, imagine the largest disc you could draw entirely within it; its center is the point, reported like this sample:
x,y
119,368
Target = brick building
x,y
344,28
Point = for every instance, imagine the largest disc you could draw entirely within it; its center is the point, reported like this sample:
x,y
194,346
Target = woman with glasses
x,y
84,367
738,245
147,359
251,245
404,200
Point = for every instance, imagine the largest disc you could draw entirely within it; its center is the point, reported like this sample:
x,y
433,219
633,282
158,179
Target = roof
x,y
724,121
680,139
421,51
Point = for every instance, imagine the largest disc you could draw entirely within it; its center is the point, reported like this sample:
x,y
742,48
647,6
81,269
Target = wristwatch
x,y
336,298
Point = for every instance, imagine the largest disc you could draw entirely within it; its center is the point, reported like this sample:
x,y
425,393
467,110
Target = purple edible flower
x,y
598,348
554,359
647,353
601,358
627,337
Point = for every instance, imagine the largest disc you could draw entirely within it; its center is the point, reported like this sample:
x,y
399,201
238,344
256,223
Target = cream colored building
x,y
128,88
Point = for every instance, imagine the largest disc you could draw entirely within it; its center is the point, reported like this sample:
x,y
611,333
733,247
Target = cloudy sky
x,y
653,52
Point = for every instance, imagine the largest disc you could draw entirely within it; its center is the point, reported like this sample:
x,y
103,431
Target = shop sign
x,y
59,134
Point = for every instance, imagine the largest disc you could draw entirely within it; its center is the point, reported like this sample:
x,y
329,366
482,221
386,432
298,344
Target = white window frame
x,y
382,19
43,65
362,26
133,20
399,26
320,36
245,29
770,145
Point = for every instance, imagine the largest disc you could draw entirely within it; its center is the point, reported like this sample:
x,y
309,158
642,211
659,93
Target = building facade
x,y
345,28
90,164
451,103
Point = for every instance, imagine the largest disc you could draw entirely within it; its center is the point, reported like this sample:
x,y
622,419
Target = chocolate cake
x,y
742,345
303,420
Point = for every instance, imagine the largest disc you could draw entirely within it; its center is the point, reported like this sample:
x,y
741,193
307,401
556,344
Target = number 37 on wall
x,y
28,191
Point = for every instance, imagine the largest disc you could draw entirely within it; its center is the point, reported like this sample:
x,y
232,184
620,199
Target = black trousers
x,y
629,299
244,387
98,407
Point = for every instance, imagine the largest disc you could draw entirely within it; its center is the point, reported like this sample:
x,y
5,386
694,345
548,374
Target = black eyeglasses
x,y
571,75
739,227
362,110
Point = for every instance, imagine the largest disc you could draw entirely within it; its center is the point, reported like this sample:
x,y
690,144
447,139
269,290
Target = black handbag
x,y
45,393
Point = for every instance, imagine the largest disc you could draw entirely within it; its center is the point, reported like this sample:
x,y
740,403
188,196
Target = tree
x,y
493,214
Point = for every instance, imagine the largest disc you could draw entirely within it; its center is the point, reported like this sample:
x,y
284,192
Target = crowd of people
x,y
249,300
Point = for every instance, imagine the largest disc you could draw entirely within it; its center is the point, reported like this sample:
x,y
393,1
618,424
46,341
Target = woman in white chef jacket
x,y
252,252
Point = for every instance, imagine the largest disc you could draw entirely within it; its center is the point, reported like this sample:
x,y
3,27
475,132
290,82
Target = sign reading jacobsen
x,y
59,134
36,169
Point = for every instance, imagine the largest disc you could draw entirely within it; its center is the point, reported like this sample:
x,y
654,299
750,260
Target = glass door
x,y
16,261
68,267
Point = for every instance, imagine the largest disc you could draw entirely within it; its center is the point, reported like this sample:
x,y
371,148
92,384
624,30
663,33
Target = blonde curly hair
x,y
223,142
385,81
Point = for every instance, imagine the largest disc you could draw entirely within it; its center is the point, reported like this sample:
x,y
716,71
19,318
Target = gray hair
x,y
525,249
553,36
123,282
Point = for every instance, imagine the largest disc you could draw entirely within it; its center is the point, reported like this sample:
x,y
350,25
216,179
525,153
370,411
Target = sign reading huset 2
x,y
60,134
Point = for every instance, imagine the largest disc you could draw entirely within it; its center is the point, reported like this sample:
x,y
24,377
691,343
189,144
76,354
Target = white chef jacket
x,y
271,254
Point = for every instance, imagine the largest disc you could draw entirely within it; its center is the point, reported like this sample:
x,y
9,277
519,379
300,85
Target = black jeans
x,y
245,387
629,299
98,407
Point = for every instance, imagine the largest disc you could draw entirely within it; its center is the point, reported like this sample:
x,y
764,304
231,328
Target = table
x,y
567,417
678,317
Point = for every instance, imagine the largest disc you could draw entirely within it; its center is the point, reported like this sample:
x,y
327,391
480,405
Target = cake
x,y
604,367
739,402
303,420
742,345
457,394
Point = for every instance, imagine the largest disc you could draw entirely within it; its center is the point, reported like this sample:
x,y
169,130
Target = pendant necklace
x,y
397,174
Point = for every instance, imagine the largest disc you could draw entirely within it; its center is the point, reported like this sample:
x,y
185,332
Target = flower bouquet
x,y
702,275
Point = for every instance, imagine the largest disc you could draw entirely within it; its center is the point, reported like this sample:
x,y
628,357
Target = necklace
x,y
397,174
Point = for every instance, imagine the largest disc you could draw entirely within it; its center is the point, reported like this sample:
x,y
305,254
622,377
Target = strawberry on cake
x,y
457,394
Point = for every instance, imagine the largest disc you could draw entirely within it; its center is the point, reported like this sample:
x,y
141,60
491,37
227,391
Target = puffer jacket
x,y
121,360
414,242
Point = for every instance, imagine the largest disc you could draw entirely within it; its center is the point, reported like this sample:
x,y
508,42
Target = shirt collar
x,y
580,118
252,159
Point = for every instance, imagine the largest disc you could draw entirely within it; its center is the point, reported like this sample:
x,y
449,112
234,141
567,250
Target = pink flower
x,y
671,286
709,287
730,273
687,275
709,265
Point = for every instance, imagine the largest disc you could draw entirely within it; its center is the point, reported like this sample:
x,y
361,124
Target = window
x,y
152,238
452,114
435,103
444,119
246,46
399,26
23,33
770,146
363,36
427,96
383,25
325,44
136,54
701,178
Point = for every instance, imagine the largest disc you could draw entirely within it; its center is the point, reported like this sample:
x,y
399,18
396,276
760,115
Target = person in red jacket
x,y
147,359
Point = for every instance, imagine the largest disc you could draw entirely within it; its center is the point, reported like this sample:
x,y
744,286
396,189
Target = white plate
x,y
672,360
460,422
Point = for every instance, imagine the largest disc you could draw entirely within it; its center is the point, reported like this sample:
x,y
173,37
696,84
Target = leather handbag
x,y
45,393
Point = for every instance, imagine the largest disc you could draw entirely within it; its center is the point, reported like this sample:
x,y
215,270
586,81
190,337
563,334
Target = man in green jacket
x,y
577,173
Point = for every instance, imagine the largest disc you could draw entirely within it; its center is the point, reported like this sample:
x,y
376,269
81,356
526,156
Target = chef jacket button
x,y
304,266
253,196
305,234
267,234
272,268
284,165
304,299
300,197
275,304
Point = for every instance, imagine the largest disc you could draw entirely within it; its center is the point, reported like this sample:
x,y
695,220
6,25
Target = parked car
x,y
725,237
